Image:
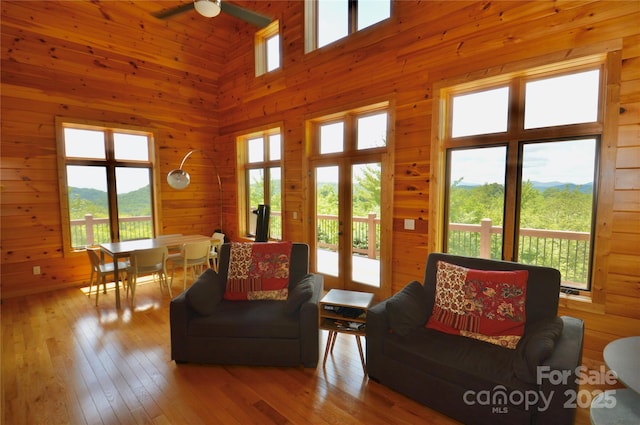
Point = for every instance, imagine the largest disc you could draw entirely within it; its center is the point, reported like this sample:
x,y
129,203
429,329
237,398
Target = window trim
x,y
243,166
65,122
261,54
609,56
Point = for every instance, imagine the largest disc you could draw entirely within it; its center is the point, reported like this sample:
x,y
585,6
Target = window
x,y
521,169
106,183
331,20
268,48
261,180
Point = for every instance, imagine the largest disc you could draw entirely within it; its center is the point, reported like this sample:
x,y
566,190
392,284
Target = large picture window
x,y
106,184
521,169
261,180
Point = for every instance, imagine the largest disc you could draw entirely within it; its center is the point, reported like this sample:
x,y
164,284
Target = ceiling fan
x,y
211,8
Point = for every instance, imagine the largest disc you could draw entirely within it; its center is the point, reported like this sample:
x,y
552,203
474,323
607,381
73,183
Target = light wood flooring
x,y
66,361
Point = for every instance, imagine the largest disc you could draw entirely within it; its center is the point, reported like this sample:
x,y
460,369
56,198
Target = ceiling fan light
x,y
207,8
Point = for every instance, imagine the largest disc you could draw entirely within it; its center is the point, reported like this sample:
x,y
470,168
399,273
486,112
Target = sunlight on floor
x,y
149,296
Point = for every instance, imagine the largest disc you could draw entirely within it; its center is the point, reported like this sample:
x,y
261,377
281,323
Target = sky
x,y
552,101
82,143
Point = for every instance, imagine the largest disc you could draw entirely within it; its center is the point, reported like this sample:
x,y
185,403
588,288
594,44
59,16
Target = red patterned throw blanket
x,y
258,271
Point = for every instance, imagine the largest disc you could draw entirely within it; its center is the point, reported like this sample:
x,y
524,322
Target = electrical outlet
x,y
36,269
409,224
295,215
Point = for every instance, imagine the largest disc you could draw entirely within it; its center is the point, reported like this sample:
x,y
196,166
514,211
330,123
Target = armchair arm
x,y
400,314
566,357
376,330
179,315
200,299
309,327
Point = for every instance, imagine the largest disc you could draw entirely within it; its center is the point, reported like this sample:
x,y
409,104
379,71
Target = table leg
x,y
364,368
331,337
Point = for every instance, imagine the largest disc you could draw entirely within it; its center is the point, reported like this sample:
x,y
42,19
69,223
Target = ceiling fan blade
x,y
174,11
247,15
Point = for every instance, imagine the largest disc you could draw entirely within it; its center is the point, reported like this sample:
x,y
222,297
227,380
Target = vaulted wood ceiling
x,y
189,41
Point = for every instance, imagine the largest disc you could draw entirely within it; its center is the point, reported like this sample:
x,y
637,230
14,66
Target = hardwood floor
x,y
66,361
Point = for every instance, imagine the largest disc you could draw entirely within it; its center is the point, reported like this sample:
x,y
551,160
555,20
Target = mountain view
x,y
92,201
542,186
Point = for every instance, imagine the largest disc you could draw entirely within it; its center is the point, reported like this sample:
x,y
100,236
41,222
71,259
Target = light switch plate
x,y
409,224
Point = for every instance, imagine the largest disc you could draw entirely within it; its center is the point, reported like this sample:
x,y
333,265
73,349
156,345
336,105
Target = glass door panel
x,y
365,223
327,202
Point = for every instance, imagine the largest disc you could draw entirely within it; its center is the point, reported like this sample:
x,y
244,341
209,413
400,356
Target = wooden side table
x,y
343,311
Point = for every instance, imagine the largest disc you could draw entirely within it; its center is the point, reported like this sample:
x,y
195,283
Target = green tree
x,y
567,208
327,199
366,196
469,205
79,206
256,192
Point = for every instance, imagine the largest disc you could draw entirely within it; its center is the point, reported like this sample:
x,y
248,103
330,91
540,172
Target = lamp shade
x,y
178,179
207,8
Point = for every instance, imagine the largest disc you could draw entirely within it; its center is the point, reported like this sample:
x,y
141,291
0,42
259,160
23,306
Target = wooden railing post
x,y
371,235
485,238
88,225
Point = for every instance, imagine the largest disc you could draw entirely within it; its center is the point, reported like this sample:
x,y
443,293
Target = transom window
x,y
521,169
331,20
261,180
106,184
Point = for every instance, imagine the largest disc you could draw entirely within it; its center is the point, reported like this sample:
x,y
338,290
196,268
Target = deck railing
x,y
566,251
92,231
563,250
365,234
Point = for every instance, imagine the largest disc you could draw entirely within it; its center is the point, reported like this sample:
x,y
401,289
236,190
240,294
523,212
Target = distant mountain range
x,y
134,203
542,186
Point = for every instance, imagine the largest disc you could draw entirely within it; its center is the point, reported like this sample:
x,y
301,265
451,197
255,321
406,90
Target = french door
x,y
351,198
348,222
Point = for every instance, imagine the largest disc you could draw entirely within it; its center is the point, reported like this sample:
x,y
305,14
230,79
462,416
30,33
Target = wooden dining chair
x,y
192,255
100,270
152,261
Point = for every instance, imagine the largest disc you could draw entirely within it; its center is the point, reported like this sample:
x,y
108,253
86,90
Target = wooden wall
x,y
100,61
194,83
423,44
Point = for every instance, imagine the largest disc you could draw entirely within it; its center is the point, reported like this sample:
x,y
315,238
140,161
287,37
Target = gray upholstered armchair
x,y
206,328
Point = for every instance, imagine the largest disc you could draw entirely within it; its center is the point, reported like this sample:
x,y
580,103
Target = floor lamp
x,y
179,179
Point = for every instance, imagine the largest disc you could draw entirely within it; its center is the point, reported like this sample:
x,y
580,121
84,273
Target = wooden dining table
x,y
119,250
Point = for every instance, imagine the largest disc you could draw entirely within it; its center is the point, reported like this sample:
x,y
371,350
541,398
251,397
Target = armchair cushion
x,y
205,293
258,271
535,347
488,305
299,294
406,309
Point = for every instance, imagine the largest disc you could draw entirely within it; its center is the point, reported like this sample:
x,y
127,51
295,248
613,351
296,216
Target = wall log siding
x,y
192,81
